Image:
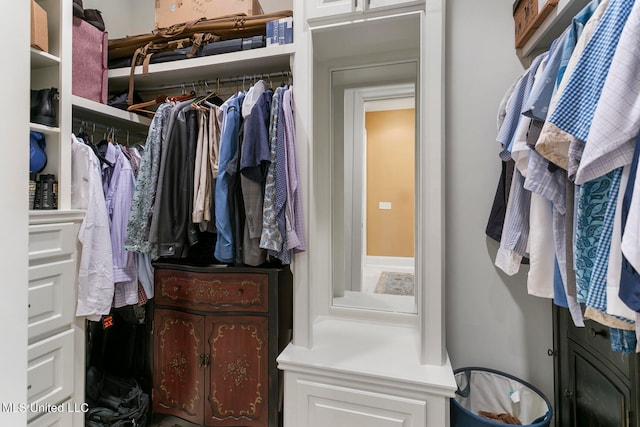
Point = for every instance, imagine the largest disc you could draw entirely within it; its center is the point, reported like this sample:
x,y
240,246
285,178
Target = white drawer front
x,y
56,419
330,405
50,371
52,240
51,297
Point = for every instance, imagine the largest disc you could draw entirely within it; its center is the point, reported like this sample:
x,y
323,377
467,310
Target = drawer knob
x,y
595,333
176,288
240,292
29,387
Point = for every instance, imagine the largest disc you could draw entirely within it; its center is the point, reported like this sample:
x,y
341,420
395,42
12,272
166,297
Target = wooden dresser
x,y
216,334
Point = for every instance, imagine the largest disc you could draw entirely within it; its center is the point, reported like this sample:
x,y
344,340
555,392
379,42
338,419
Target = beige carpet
x,y
394,283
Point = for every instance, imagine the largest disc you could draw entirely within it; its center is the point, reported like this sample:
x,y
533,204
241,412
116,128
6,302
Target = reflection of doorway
x,y
380,187
389,188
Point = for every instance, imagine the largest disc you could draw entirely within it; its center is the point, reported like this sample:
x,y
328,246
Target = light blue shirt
x,y
576,106
225,248
575,30
537,103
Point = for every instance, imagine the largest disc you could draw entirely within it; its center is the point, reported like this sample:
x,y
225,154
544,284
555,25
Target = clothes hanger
x,y
88,141
183,97
141,106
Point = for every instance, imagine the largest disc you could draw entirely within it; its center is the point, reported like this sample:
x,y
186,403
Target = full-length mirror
x,y
374,198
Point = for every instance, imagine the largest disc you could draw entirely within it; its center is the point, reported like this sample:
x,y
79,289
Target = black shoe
x,y
78,10
43,106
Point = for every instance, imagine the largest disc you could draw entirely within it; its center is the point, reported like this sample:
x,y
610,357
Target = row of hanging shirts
x,y
217,182
103,176
566,199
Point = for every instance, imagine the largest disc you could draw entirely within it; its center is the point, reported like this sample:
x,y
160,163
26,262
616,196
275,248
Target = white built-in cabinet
x,y
354,366
55,339
331,9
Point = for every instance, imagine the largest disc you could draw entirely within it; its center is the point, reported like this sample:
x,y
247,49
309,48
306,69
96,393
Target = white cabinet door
x,y
52,297
50,372
387,4
328,8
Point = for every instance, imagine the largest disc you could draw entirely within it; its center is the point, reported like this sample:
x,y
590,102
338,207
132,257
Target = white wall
x,y
491,321
14,215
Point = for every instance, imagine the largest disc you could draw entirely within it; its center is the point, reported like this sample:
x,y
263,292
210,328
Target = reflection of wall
x,y
390,178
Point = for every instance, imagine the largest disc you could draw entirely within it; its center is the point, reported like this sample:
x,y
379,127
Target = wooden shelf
x,y
264,60
557,21
94,111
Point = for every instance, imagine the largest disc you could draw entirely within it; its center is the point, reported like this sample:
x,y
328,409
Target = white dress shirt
x,y
95,272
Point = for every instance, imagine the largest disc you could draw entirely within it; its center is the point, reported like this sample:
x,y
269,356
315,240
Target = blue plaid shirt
x,y
577,104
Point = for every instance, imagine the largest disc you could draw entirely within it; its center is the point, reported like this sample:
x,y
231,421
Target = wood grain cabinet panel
x,y
238,377
216,335
178,382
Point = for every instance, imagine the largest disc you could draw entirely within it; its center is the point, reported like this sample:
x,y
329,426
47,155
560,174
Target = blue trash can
x,y
495,392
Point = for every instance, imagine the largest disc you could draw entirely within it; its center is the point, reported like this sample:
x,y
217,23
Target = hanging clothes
x,y
118,183
95,263
144,194
209,175
572,113
225,249
254,161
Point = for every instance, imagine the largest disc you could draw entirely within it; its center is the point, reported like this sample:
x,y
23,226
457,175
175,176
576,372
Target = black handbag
x,y
114,401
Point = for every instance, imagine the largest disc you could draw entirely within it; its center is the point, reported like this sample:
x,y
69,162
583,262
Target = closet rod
x,y
214,83
92,127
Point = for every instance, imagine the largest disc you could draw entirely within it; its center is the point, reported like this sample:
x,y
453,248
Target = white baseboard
x,y
390,261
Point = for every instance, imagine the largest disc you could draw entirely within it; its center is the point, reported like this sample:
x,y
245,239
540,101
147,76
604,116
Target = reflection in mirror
x,y
373,162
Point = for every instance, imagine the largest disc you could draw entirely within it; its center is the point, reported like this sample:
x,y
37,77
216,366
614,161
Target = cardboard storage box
x,y
528,15
170,12
39,27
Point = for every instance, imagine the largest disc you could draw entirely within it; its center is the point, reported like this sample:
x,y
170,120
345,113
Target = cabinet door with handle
x,y
179,351
596,394
237,378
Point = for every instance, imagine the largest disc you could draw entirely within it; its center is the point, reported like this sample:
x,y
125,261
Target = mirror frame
x,y
311,271
354,112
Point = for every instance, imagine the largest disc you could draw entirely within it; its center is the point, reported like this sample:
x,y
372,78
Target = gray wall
x,y
491,321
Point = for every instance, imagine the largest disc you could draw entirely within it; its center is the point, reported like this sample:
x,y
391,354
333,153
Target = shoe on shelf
x,y
43,106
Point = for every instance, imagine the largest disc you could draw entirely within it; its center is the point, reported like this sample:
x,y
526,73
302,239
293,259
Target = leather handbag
x,y
225,27
195,34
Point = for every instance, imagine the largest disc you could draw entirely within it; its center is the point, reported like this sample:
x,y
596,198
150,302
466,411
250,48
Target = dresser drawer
x,y
212,291
51,297
52,240
50,377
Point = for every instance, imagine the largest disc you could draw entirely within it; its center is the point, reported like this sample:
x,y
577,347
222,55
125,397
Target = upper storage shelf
x,y
247,62
94,111
559,18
